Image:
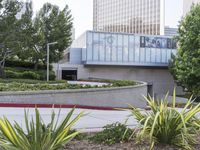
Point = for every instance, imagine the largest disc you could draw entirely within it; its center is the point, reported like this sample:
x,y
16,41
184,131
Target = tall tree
x,y
9,30
185,66
27,37
32,36
26,31
57,26
50,24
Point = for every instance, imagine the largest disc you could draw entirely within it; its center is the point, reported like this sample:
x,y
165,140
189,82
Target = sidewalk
x,y
93,121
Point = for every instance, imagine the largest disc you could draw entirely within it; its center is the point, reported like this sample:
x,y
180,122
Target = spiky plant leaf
x,y
163,124
38,136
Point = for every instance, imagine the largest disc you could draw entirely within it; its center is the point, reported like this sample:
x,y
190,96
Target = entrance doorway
x,y
70,75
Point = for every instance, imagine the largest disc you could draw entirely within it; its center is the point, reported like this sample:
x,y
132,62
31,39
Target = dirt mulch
x,y
87,145
84,144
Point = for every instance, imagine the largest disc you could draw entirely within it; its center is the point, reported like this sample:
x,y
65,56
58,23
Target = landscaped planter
x,y
132,145
96,97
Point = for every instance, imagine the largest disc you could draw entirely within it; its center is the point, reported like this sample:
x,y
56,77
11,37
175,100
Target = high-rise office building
x,y
129,16
187,5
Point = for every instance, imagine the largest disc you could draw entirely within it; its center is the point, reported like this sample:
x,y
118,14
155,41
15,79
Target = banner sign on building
x,y
157,42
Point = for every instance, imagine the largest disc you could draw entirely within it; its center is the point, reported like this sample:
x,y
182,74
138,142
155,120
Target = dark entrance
x,y
69,75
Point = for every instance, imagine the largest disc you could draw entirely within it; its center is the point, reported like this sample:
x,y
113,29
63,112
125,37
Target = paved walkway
x,y
93,121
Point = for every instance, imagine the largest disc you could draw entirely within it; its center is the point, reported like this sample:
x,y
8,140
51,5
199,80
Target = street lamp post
x,y
48,44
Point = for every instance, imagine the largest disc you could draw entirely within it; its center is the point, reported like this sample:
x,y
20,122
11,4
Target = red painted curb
x,y
54,106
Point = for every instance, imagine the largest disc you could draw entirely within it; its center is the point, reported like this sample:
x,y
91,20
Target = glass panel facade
x,y
125,48
153,55
129,49
89,51
142,55
137,49
164,56
109,41
101,47
158,56
120,48
95,47
114,48
148,56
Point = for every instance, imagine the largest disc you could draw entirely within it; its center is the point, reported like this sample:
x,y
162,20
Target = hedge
x,y
36,75
25,64
30,81
33,85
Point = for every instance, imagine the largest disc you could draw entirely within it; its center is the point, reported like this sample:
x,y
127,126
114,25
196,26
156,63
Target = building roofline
x,y
123,33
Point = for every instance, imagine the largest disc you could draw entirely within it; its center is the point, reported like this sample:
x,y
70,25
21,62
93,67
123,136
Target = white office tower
x,y
129,16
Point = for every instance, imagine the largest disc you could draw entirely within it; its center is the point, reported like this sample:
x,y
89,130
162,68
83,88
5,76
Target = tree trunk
x,y
36,66
36,63
2,72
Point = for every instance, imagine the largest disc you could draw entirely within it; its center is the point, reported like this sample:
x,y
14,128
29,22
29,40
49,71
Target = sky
x,y
82,11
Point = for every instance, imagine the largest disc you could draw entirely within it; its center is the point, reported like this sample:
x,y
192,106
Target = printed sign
x,y
157,42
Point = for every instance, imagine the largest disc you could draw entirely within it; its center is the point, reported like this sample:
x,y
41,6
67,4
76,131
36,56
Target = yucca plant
x,y
163,124
37,135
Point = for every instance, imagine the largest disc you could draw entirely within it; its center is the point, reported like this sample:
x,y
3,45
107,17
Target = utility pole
x,y
48,44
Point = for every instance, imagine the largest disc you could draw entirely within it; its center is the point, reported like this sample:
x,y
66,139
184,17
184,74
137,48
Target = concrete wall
x,y
161,78
102,97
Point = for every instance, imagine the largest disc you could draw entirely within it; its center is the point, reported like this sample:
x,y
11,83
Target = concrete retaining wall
x,y
99,97
160,78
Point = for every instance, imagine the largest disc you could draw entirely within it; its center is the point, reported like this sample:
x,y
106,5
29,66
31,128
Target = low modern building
x,y
121,56
171,31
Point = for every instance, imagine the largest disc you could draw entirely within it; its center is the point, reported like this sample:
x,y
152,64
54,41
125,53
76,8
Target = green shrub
x,y
43,75
52,75
22,75
12,74
115,83
29,85
113,133
74,86
18,70
119,83
30,75
38,135
14,86
30,81
167,125
25,64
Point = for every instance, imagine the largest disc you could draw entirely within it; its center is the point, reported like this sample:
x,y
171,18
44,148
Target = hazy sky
x,y
82,12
